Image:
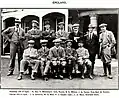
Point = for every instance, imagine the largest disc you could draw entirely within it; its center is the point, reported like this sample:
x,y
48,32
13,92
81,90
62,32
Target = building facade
x,y
69,16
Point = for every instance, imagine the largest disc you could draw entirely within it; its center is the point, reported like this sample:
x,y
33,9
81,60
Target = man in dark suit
x,y
35,34
15,36
43,53
75,35
91,43
57,57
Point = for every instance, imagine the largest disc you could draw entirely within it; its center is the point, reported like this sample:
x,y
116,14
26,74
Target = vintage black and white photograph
x,y
71,48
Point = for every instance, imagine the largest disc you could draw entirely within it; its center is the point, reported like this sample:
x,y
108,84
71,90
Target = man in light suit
x,y
15,36
35,34
107,42
91,43
30,57
57,57
44,60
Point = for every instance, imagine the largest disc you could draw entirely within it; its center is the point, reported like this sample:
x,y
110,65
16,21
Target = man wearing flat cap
x,y
30,59
91,43
48,34
57,57
83,60
43,53
75,35
61,32
35,34
70,58
15,36
107,42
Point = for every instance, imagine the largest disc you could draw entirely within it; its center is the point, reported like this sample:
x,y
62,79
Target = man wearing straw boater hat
x,y
44,59
15,36
107,43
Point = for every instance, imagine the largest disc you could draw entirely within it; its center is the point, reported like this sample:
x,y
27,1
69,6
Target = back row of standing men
x,y
15,35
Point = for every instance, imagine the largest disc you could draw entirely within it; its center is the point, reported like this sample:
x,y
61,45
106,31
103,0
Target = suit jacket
x,y
9,32
43,53
57,53
36,35
72,36
70,52
106,39
91,43
30,54
61,33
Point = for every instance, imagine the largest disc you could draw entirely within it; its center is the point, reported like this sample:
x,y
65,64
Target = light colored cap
x,y
75,25
34,21
69,41
43,41
61,23
91,26
17,20
102,25
57,40
31,42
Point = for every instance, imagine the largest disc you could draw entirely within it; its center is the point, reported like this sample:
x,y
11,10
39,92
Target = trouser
x,y
14,48
92,59
58,67
82,64
25,63
70,65
105,67
106,59
45,66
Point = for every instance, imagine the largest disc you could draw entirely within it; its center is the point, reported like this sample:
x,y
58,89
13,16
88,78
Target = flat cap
x,y
43,41
91,26
31,42
69,41
63,38
17,20
34,21
75,25
61,23
102,25
57,40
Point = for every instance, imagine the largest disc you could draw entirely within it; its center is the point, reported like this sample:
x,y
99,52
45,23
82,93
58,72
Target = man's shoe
x,y
110,77
104,75
70,77
82,77
10,73
19,77
90,76
32,77
61,77
46,78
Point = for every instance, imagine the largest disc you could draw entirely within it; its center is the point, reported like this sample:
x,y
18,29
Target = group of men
x,y
59,52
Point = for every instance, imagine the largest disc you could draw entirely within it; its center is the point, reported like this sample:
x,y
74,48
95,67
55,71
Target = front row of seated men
x,y
56,59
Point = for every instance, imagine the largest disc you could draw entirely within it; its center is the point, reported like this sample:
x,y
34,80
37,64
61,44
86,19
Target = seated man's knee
x,y
88,62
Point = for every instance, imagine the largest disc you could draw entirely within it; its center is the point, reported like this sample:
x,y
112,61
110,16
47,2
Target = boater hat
x,y
75,25
61,23
91,26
